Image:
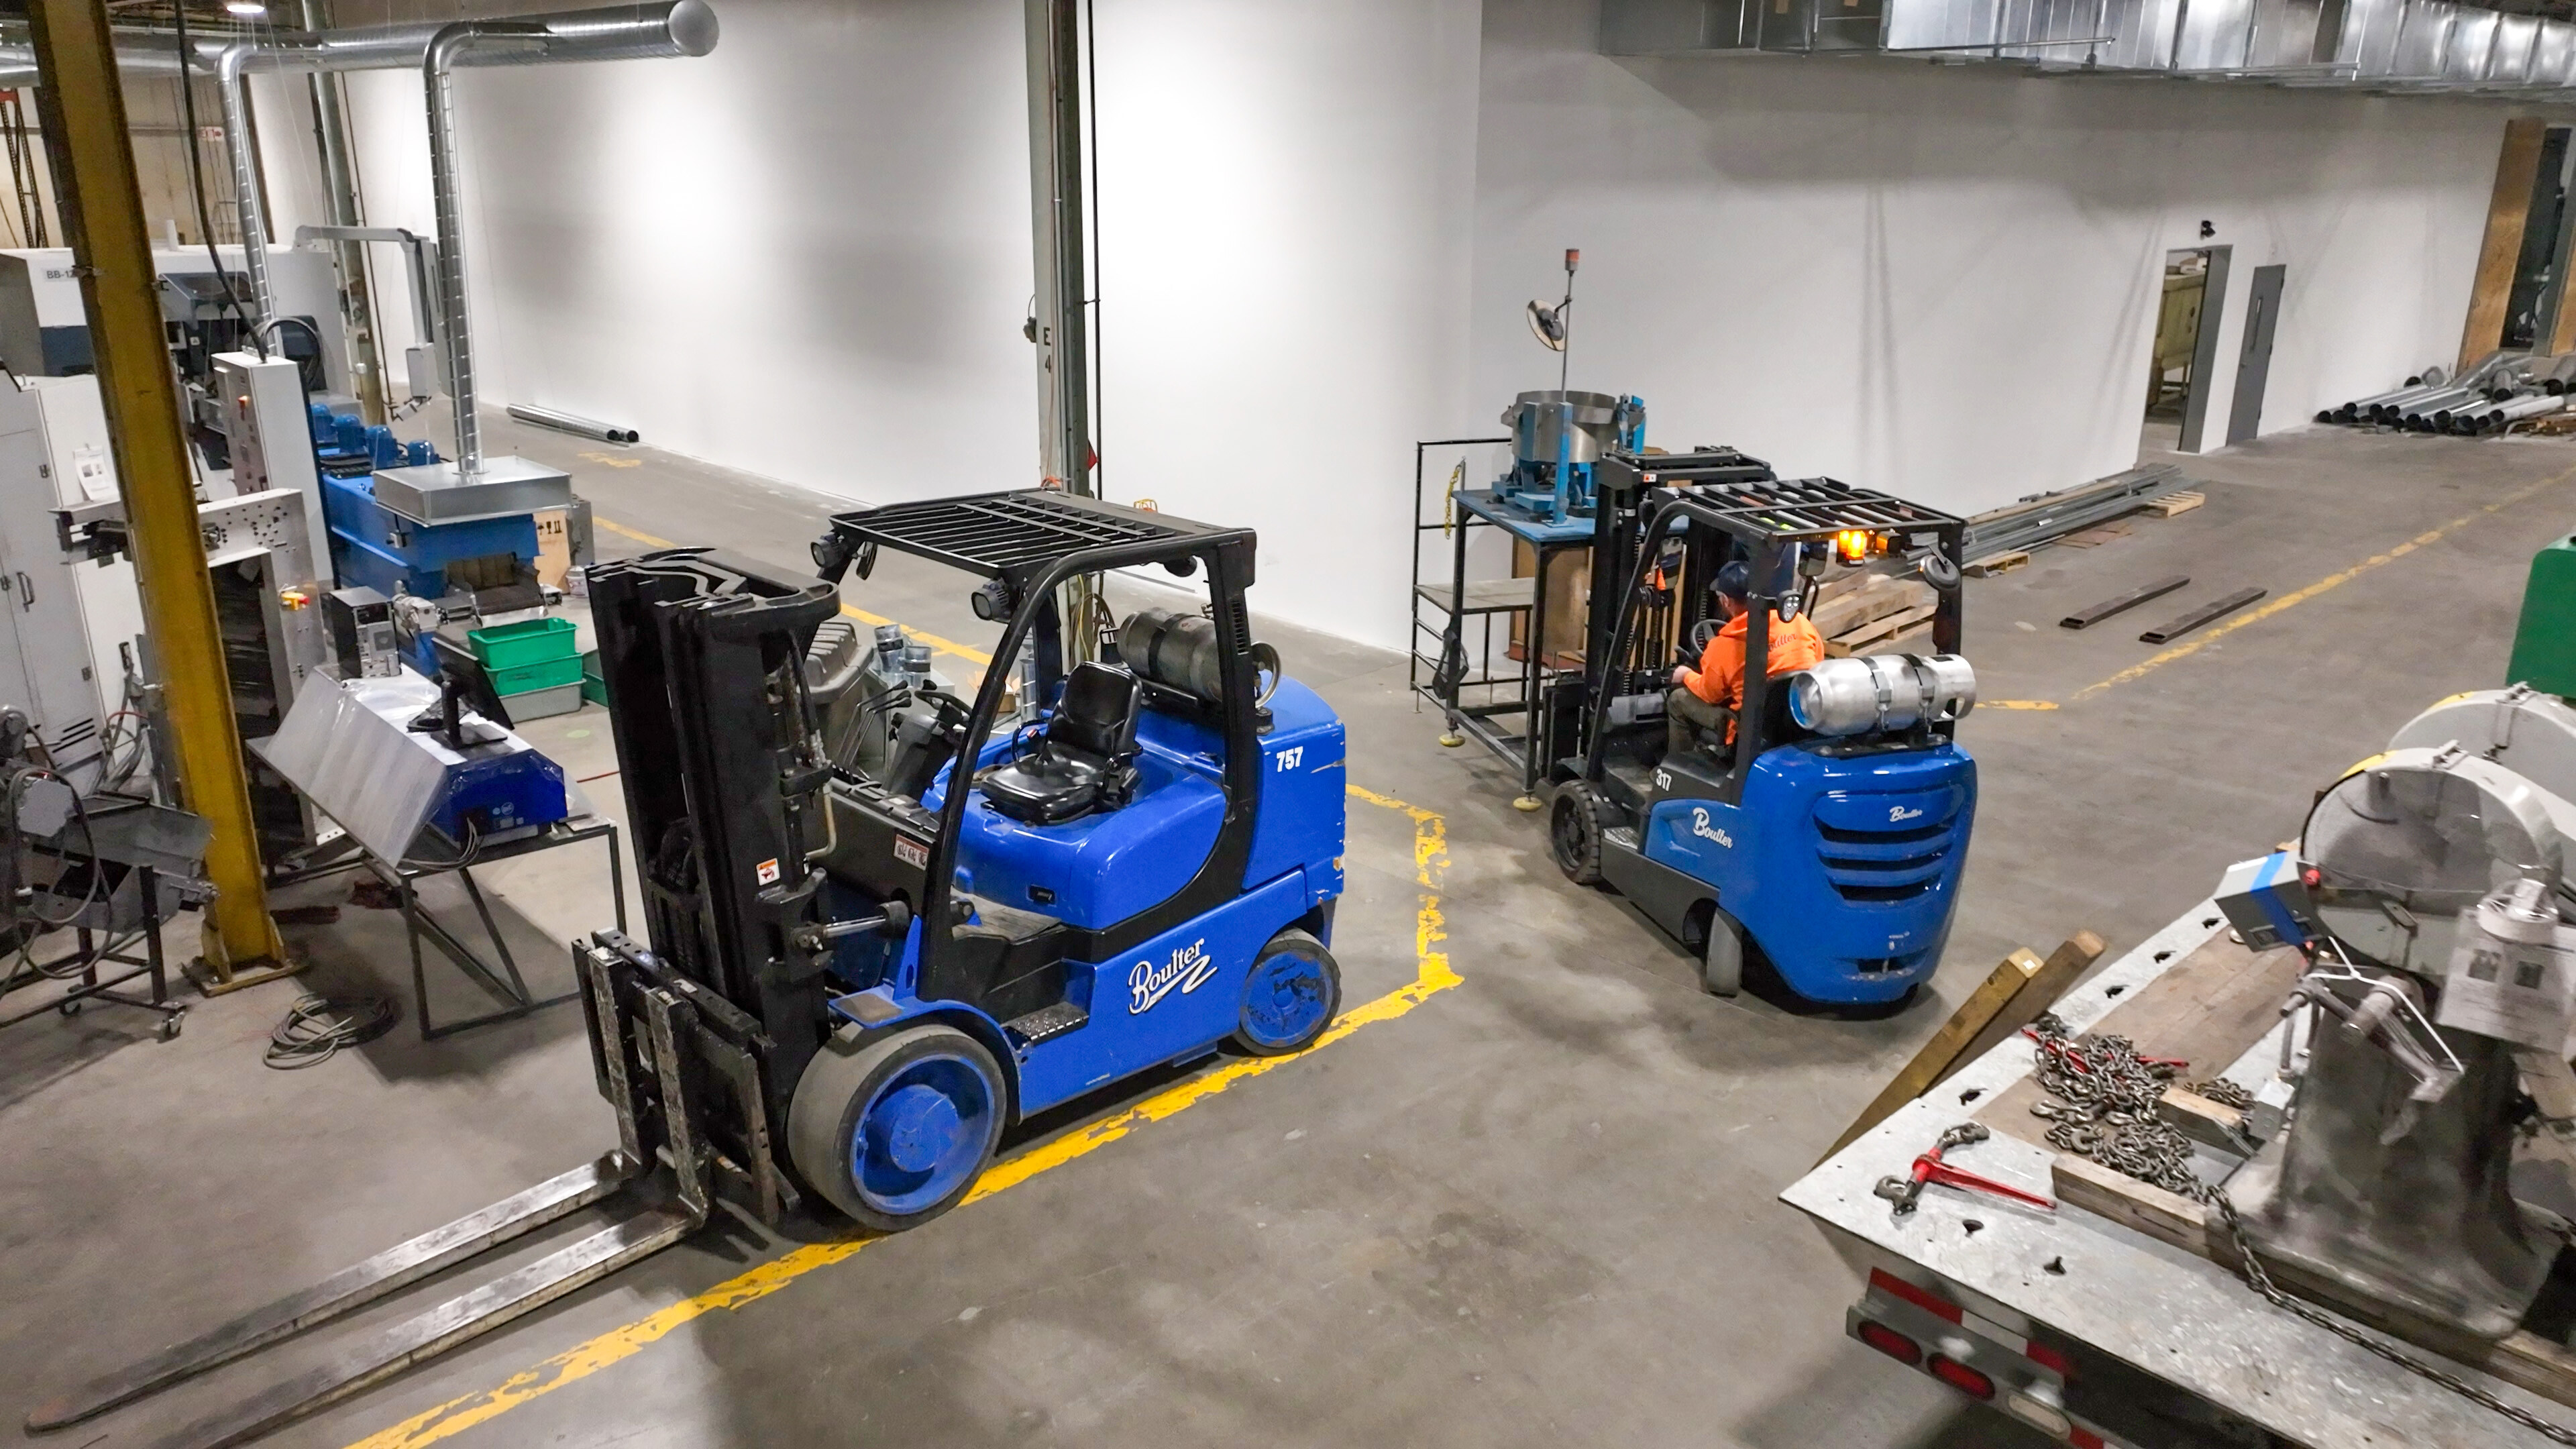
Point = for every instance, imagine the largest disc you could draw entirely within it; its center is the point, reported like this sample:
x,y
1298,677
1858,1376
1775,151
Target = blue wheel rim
x,y
921,1135
1285,999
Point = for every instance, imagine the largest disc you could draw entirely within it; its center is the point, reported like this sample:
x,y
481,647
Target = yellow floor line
x,y
2016,704
1431,975
966,652
2330,581
622,531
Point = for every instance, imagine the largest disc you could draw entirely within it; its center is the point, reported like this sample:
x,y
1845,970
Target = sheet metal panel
x,y
2473,35
2215,35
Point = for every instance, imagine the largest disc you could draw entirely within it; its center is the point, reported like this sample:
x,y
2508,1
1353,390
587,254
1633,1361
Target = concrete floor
x,y
1536,1208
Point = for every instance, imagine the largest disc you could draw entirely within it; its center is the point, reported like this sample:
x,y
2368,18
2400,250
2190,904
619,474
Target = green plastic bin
x,y
530,641
2544,647
548,674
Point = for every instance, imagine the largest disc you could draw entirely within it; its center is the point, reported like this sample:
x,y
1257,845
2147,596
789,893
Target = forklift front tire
x,y
1574,832
894,1131
1721,965
1292,993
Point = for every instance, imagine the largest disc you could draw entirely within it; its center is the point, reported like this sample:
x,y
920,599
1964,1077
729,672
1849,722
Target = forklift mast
x,y
702,654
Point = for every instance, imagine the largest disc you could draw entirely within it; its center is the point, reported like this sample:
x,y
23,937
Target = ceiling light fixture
x,y
245,9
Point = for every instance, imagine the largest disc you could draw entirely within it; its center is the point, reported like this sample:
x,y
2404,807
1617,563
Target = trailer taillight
x,y
1961,1377
1892,1343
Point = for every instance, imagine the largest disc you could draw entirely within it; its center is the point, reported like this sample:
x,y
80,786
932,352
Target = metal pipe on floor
x,y
572,423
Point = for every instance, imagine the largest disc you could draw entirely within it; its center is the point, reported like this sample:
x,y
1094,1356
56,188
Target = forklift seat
x,y
1085,759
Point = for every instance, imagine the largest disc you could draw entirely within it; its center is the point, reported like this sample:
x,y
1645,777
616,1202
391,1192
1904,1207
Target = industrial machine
x,y
856,980
108,867
1558,438
44,332
414,769
1828,839
2431,895
72,621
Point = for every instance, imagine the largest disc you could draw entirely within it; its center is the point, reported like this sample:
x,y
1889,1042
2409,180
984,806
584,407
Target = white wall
x,y
1942,281
807,255
1286,203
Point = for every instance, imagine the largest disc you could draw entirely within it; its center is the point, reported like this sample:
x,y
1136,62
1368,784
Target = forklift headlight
x,y
991,600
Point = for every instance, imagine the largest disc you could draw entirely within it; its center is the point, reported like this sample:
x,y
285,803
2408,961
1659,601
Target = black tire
x,y
1721,962
1291,994
845,1079
1574,826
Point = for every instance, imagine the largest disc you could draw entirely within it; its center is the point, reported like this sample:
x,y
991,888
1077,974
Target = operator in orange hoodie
x,y
1707,697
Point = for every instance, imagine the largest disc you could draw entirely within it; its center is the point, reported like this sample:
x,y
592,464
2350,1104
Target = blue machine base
x,y
379,548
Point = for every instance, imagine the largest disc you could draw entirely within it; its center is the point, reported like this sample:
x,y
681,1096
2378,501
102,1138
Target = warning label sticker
x,y
769,871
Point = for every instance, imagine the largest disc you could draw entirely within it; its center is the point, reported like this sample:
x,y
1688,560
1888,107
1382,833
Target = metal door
x,y
2254,360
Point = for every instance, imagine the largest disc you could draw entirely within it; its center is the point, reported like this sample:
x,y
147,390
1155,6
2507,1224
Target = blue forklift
x,y
1091,869
1826,839
856,978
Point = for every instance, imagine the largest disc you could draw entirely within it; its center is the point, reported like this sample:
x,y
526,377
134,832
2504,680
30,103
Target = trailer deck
x,y
2154,1341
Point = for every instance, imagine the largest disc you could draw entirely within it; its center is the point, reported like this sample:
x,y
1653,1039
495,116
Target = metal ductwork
x,y
686,27
628,32
2380,45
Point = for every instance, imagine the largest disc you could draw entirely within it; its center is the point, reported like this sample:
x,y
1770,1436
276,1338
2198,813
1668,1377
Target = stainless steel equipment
x,y
71,619
2391,1182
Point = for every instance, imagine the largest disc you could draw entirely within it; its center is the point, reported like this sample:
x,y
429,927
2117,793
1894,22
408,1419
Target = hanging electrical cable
x,y
197,182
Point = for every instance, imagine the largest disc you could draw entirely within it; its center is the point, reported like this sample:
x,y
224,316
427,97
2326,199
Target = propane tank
x,y
1881,692
1178,651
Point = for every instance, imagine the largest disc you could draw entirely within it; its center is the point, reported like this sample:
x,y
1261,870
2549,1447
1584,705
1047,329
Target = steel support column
x,y
1055,175
83,109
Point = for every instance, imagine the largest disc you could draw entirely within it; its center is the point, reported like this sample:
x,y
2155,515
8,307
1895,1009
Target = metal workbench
x,y
2126,1308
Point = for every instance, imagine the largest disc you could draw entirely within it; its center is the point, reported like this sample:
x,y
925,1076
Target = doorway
x,y
2186,346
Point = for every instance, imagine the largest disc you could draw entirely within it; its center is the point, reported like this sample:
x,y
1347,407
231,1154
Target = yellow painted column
x,y
102,209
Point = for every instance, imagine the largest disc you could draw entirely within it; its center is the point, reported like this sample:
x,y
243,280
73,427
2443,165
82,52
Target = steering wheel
x,y
1700,635
953,712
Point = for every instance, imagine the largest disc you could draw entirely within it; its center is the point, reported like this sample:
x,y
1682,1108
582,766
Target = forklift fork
x,y
651,1035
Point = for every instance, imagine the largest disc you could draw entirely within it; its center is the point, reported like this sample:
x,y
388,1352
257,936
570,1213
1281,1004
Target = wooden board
x,y
2011,996
1915,640
1863,607
2508,208
2209,1009
2173,503
1854,640
2001,563
2524,1359
1569,590
2097,535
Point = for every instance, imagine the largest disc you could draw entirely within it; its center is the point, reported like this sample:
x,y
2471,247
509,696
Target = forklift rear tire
x,y
894,1131
1574,832
1292,993
1721,965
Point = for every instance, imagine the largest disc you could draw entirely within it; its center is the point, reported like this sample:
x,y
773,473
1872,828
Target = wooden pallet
x,y
2000,563
2173,503
1903,624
